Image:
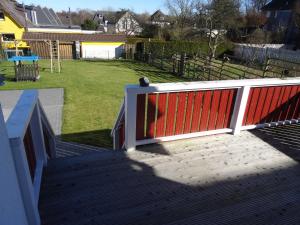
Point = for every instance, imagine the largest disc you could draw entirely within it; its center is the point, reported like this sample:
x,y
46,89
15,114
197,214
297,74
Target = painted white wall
x,y
128,24
261,52
101,51
11,203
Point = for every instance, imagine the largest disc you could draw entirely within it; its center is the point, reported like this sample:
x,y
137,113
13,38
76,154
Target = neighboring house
x,y
16,18
17,21
12,24
103,46
159,18
122,22
281,18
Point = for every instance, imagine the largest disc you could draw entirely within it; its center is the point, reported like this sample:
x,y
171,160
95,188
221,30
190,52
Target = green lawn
x,y
93,93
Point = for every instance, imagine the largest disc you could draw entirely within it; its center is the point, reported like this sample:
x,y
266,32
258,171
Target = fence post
x,y
174,64
181,65
149,58
162,58
221,69
239,109
266,66
130,118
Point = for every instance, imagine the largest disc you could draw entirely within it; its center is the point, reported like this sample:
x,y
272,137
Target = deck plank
x,y
251,178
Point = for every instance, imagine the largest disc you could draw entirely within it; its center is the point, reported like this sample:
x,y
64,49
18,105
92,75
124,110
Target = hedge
x,y
168,48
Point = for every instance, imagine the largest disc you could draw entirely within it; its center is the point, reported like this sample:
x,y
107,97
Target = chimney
x,y
70,18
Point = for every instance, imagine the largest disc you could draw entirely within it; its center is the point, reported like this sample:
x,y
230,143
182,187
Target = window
x,y
8,37
1,15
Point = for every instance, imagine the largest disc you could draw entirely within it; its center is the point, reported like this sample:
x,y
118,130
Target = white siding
x,y
102,51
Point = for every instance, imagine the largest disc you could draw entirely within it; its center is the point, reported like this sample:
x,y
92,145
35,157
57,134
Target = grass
x,y
93,93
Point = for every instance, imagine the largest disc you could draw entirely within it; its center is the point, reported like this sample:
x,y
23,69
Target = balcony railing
x,y
171,111
31,142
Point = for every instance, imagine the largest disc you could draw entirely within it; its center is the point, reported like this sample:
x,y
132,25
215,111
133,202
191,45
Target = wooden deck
x,y
253,178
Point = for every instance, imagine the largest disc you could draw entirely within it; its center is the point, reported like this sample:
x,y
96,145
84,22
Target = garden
x,y
93,92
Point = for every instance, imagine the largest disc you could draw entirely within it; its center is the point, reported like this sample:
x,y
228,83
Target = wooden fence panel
x,y
183,112
66,51
272,104
179,124
172,101
161,115
42,49
151,111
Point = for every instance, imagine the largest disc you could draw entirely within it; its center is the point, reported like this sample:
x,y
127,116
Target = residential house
x,y
12,24
281,18
159,18
121,22
16,18
29,29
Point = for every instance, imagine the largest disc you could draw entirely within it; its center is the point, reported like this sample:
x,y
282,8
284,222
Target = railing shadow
x,y
285,138
187,187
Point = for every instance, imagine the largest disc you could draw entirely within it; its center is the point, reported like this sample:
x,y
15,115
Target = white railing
x,y
241,88
25,147
116,128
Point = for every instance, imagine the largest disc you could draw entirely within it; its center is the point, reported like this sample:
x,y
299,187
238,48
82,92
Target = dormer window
x,y
2,15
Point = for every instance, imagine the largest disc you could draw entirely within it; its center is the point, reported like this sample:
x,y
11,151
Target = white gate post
x,y
130,118
239,109
12,207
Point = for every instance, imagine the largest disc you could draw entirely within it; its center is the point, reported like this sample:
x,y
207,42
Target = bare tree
x,y
215,18
182,11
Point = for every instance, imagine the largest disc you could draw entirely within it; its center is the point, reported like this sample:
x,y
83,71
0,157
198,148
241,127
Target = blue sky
x,y
136,5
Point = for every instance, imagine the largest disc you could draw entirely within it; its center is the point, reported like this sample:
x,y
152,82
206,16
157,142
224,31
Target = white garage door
x,y
102,51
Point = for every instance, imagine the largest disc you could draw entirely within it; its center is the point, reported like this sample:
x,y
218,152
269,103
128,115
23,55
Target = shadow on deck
x,y
284,138
220,179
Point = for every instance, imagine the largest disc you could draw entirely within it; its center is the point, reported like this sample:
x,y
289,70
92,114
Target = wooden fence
x,y
203,68
42,49
164,112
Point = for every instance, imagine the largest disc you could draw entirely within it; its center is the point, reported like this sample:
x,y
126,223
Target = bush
x,y
169,48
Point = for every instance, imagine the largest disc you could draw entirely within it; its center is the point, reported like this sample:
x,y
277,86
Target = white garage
x,y
102,50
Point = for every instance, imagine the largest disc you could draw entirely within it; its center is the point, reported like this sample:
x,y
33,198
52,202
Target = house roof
x,y
279,5
157,13
159,16
16,12
114,17
46,17
67,37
